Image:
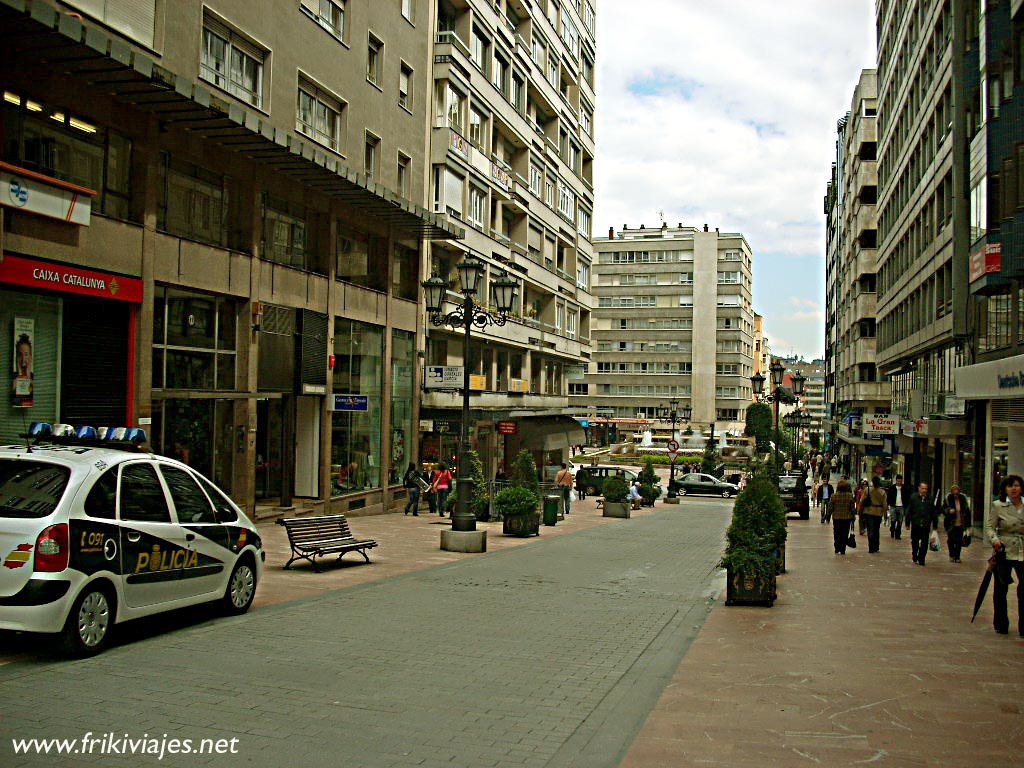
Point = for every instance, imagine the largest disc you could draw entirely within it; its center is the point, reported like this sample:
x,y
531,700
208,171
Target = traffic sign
x,y
673,446
672,456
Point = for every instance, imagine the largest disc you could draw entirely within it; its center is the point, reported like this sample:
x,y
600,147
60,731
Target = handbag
x,y
851,541
967,539
933,541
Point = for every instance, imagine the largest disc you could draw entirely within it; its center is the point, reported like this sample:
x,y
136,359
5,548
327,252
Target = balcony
x,y
869,391
864,307
865,261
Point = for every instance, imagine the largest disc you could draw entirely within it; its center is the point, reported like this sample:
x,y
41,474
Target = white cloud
x,y
725,113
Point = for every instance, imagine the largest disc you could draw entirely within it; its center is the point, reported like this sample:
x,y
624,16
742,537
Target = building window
x,y
517,93
536,179
231,62
371,156
728,277
194,202
359,259
477,204
583,275
453,104
408,9
194,340
403,175
476,128
571,320
583,223
405,87
374,60
330,14
319,115
284,234
479,49
549,191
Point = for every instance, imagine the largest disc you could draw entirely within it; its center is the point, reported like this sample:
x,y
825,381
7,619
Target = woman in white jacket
x,y
1005,529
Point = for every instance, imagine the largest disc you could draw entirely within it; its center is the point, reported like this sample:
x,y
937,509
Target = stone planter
x,y
616,509
749,589
780,561
521,525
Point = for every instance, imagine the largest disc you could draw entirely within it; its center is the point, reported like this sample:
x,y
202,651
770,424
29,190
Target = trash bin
x,y
551,509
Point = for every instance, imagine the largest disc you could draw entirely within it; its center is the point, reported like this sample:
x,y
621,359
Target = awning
x,y
859,440
550,433
45,39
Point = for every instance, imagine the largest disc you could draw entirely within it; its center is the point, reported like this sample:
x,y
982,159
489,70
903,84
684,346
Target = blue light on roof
x,y
39,429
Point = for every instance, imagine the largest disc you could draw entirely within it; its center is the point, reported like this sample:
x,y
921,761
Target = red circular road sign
x,y
673,446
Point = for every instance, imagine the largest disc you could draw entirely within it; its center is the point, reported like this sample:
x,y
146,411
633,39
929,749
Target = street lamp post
x,y
673,413
778,393
465,316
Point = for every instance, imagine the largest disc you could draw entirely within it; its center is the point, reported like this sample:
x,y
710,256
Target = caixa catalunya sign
x,y
67,278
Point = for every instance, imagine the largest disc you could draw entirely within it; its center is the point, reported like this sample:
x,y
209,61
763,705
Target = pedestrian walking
x,y
923,518
1005,529
859,499
841,510
441,485
563,479
412,482
956,519
872,509
897,496
825,490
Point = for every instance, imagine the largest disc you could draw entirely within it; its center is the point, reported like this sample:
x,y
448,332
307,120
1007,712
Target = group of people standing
x,y
921,512
434,485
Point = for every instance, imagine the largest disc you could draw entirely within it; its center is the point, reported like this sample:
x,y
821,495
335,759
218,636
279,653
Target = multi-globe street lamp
x,y
777,395
797,421
673,413
465,316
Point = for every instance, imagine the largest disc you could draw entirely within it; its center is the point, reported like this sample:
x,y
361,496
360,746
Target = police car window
x,y
30,488
102,499
142,496
226,513
190,502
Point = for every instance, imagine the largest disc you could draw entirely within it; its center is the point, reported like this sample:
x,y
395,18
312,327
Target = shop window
x,y
194,340
355,431
403,364
405,282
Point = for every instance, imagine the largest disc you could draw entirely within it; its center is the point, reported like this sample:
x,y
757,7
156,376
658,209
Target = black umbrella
x,y
994,566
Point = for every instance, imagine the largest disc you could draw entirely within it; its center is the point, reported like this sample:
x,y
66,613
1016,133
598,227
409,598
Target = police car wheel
x,y
241,588
87,629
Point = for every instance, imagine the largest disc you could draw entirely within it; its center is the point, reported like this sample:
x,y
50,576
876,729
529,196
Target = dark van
x,y
590,478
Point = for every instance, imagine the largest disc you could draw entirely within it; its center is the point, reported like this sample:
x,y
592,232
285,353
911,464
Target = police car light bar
x,y
85,435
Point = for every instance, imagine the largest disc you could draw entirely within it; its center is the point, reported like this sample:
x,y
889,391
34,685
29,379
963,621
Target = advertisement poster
x,y
24,340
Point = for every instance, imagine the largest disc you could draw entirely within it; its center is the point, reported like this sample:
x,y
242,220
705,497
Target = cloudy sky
x,y
725,113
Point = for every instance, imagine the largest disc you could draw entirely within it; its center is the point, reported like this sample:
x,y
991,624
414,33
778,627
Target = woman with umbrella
x,y
1005,529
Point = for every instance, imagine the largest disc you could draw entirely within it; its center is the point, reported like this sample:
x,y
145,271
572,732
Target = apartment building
x,y
856,387
216,231
917,274
990,388
511,162
672,319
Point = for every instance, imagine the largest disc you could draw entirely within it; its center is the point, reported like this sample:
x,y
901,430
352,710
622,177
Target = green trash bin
x,y
551,509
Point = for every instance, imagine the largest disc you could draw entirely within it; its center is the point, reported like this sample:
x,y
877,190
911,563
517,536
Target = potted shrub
x,y
616,497
650,489
517,507
481,501
754,543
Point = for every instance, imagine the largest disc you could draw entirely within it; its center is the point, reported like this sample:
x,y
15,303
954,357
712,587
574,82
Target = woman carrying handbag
x,y
841,509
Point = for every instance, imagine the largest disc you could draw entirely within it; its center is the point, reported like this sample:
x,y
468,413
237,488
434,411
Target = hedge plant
x,y
758,528
616,489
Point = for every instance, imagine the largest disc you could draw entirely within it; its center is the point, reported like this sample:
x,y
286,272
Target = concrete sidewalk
x,y
865,658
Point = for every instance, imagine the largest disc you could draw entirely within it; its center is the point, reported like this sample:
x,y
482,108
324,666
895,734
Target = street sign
x,y
673,446
672,456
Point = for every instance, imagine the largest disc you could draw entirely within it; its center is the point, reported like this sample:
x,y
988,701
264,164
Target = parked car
x,y
95,532
590,477
793,489
699,483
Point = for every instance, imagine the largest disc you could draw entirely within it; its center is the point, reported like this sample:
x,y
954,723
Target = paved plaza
x,y
601,643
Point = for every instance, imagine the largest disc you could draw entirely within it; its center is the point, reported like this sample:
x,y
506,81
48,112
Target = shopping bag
x,y
933,541
851,542
572,496
967,538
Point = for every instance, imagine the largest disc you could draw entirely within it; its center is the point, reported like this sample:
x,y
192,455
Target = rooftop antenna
x,y
661,215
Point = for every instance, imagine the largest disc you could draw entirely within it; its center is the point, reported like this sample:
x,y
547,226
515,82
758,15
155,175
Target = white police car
x,y
95,531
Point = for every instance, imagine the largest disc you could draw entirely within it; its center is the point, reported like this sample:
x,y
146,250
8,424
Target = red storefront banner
x,y
67,278
987,259
506,428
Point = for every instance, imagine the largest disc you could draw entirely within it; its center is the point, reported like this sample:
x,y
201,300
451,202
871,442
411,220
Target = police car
x,y
95,531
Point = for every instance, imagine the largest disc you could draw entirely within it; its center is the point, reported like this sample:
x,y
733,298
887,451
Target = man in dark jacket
x,y
922,517
898,497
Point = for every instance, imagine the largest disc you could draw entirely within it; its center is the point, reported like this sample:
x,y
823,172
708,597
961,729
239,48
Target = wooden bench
x,y
312,537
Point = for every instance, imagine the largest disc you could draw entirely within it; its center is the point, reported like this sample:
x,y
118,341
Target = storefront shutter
x,y
94,363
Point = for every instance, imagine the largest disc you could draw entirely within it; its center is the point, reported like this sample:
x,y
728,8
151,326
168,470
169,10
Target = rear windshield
x,y
30,488
787,483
